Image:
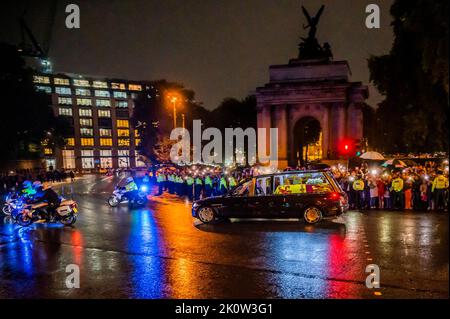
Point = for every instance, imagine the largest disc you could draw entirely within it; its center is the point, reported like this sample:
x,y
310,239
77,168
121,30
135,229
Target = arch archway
x,y
307,140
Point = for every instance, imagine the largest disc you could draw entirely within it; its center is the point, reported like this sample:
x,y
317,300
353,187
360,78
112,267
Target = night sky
x,y
218,48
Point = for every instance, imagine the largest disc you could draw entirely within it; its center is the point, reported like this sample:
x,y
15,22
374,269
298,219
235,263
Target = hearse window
x,y
263,186
243,189
302,183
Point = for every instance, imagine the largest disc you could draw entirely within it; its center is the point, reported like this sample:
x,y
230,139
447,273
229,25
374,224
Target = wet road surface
x,y
162,252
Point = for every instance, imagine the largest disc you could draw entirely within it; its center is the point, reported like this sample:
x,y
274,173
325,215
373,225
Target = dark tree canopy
x,y
414,78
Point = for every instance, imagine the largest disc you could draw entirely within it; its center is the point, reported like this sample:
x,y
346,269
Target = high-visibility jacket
x,y
208,181
131,186
440,182
232,182
179,179
198,181
223,183
397,184
189,181
161,178
358,185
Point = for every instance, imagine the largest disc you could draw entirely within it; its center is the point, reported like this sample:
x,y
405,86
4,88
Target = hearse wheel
x,y
312,215
206,214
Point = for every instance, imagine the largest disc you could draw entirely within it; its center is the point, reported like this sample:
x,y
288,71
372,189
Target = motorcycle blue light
x,y
144,188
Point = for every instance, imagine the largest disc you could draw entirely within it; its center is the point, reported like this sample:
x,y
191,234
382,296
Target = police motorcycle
x,y
15,200
66,213
12,200
136,197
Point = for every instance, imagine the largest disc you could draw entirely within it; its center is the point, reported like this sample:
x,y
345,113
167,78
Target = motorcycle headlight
x,y
144,188
195,205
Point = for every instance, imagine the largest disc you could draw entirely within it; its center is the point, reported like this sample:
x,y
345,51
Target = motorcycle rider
x,y
28,190
49,199
130,189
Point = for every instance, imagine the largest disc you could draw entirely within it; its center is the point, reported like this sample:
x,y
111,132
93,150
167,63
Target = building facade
x,y
100,112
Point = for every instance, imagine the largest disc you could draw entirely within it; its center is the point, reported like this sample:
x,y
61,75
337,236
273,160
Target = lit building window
x,y
134,87
123,133
68,159
65,111
105,132
104,113
48,151
84,101
41,79
87,158
87,142
85,112
121,103
83,92
60,81
101,93
105,158
85,122
78,82
104,103
106,142
100,84
70,141
137,141
124,158
136,133
63,90
123,142
120,95
86,131
45,89
123,123
118,86
64,100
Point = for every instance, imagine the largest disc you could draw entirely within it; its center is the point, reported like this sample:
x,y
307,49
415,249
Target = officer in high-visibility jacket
x,y
223,187
189,186
232,182
397,192
208,185
160,179
179,185
438,188
198,187
358,187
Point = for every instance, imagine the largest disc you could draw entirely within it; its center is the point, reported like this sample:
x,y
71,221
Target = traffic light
x,y
346,147
358,147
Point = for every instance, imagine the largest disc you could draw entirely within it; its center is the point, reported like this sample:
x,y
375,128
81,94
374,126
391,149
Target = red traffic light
x,y
346,147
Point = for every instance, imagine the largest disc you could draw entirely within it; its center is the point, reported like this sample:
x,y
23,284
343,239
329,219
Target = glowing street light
x,y
174,98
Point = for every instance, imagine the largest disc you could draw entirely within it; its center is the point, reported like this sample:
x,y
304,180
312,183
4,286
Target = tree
x,y
414,79
27,117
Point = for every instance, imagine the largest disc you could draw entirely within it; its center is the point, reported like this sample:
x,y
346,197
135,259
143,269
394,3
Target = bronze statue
x,y
312,21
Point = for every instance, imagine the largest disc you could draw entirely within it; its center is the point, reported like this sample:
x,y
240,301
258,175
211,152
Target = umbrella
x,y
394,162
372,156
409,162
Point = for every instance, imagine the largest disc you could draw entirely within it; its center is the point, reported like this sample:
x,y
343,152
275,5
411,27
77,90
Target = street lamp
x,y
174,99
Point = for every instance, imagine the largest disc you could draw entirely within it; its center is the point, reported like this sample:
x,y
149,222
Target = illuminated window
x,y
104,103
120,95
121,103
83,92
105,132
106,142
101,93
85,122
100,84
87,142
137,141
136,133
77,82
105,158
135,87
124,158
45,89
118,86
123,133
41,79
87,158
68,159
84,102
70,141
85,112
60,81
48,151
123,142
65,111
64,100
63,90
104,113
86,132
123,123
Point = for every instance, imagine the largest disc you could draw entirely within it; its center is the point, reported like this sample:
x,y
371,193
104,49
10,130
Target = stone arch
x,y
305,129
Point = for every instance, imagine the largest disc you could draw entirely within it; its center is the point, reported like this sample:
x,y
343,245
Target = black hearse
x,y
309,195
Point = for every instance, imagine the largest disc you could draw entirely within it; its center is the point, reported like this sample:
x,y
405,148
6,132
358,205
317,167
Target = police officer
x,y
232,182
189,186
397,192
440,184
160,179
223,187
197,187
208,185
358,187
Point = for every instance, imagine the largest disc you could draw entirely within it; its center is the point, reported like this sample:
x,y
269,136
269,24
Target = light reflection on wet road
x,y
161,252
